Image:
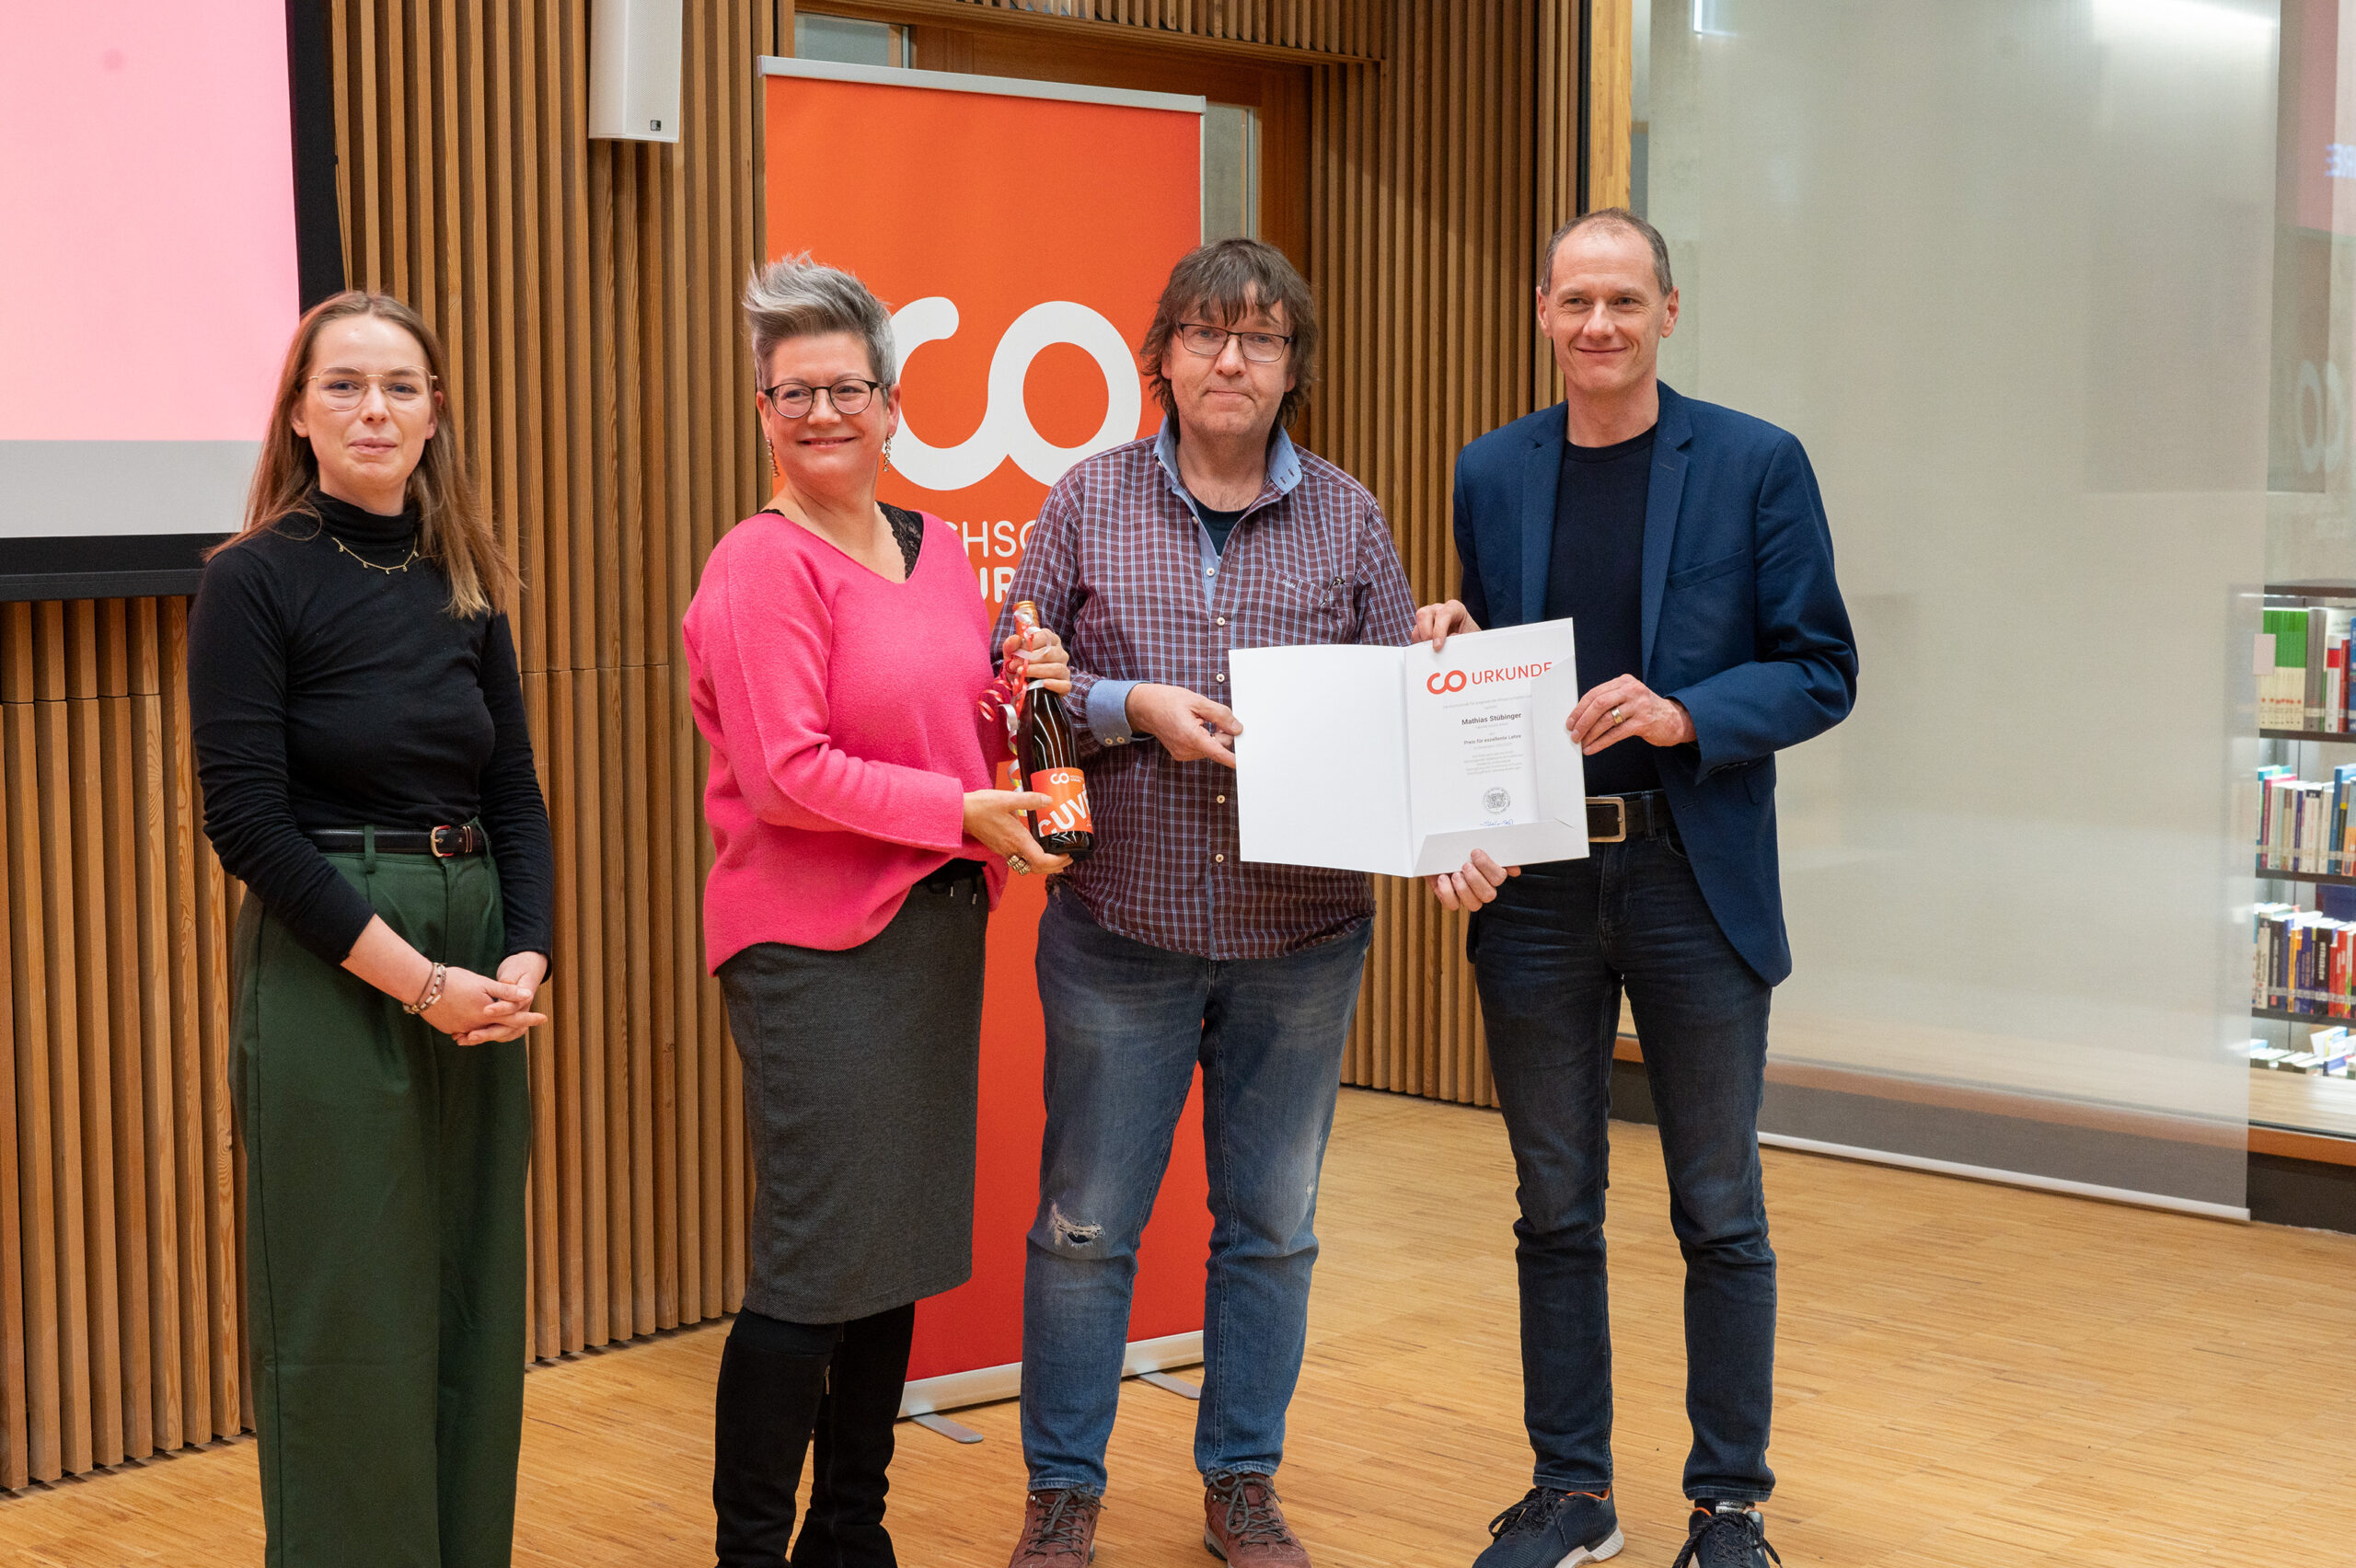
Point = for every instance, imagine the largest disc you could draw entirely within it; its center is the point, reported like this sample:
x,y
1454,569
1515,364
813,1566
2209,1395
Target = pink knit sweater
x,y
842,714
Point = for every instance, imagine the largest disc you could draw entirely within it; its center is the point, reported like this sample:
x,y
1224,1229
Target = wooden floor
x,y
1969,1375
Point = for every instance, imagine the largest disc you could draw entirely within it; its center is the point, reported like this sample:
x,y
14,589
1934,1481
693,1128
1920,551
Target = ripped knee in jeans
x,y
1068,1232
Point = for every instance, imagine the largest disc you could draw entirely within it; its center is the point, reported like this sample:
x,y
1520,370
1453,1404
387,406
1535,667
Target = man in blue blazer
x,y
1689,545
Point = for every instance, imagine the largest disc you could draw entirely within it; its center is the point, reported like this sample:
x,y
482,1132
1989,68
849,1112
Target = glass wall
x,y
2301,1059
2004,267
1230,172
850,42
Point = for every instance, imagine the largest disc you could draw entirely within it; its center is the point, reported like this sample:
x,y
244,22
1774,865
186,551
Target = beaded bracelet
x,y
433,992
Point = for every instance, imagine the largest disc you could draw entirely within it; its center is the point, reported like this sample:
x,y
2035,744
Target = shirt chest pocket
x,y
1317,594
1311,605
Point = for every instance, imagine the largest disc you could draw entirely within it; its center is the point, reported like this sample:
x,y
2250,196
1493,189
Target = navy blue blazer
x,y
1743,622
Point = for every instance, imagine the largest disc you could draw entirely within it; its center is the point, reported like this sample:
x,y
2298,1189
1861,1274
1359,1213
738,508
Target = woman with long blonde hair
x,y
360,738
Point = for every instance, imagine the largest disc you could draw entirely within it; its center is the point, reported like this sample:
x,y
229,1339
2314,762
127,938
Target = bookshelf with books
x,y
2302,997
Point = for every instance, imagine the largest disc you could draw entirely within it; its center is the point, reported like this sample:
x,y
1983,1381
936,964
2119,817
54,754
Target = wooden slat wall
x,y
1435,180
119,1288
1333,27
584,292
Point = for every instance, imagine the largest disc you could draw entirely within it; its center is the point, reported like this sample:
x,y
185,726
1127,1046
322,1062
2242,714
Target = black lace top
x,y
908,532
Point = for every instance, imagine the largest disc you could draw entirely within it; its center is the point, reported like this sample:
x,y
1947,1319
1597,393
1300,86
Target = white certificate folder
x,y
1403,761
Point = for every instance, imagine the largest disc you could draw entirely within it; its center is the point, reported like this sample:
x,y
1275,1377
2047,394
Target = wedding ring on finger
x,y
1615,716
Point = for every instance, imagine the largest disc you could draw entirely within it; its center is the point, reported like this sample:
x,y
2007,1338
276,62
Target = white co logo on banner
x,y
1006,430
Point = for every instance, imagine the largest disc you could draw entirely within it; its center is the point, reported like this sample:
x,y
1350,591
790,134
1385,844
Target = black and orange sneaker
x,y
1550,1528
1725,1535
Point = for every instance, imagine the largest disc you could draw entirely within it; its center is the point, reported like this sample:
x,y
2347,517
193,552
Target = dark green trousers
x,y
385,1238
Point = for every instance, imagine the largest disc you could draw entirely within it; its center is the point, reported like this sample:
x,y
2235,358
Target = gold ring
x,y
1615,714
1017,864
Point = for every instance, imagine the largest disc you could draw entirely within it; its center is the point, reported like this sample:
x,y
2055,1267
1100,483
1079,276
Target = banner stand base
x,y
956,1431
1168,1384
927,1397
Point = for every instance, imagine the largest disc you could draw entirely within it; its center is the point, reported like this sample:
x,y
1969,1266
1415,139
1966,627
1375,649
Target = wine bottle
x,y
1046,754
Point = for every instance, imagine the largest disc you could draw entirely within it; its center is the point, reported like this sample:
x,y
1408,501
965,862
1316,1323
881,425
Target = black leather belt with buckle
x,y
1614,819
443,842
957,876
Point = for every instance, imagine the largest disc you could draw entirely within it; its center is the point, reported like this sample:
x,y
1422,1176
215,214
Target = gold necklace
x,y
387,571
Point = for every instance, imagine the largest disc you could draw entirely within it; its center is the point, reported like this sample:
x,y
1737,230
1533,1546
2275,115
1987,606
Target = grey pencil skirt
x,y
860,1069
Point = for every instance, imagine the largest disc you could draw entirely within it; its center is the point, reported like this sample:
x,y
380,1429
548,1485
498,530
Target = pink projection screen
x,y
149,283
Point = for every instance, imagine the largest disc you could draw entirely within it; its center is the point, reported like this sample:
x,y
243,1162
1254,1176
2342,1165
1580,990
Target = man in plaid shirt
x,y
1163,949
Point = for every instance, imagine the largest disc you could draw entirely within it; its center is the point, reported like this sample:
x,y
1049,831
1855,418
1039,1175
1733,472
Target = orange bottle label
x,y
1068,788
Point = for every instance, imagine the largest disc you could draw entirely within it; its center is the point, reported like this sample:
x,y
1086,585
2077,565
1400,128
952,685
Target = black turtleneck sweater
x,y
323,693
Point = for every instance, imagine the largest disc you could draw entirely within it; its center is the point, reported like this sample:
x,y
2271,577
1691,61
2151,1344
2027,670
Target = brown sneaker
x,y
1059,1529
1243,1524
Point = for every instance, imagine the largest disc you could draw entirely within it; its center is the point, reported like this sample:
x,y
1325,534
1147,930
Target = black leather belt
x,y
956,877
1614,819
441,841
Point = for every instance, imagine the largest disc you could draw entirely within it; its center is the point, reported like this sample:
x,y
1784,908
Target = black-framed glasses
x,y
792,401
1260,348
344,390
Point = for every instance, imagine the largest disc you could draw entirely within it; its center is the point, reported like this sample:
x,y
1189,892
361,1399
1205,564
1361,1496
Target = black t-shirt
x,y
1596,576
1219,525
324,693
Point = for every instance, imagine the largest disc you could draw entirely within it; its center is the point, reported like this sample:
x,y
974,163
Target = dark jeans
x,y
1127,1025
1551,954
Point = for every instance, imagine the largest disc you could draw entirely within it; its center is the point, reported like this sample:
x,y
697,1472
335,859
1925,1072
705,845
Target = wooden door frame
x,y
1606,146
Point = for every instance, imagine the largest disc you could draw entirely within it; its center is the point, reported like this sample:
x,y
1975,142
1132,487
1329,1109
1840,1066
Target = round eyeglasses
x,y
1260,348
344,390
792,401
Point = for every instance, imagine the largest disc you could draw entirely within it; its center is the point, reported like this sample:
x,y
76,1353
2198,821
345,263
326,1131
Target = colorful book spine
x,y
2330,630
2271,931
2335,683
2342,857
2310,690
2282,700
2269,811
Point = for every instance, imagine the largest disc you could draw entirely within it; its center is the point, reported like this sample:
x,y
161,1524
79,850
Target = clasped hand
x,y
478,1010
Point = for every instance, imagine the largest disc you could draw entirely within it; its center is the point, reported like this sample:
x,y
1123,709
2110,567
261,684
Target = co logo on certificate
x,y
1006,430
1453,681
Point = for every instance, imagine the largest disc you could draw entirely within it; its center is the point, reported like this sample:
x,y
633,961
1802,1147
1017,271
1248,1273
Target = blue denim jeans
x,y
1126,1023
1552,955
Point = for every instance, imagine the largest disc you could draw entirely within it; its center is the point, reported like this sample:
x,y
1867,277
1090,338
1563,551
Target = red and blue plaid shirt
x,y
1121,565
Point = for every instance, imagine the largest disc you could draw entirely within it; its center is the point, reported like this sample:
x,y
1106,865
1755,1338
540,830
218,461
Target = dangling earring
x,y
777,470
887,459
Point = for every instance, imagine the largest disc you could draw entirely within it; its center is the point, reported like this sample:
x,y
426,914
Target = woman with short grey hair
x,y
840,665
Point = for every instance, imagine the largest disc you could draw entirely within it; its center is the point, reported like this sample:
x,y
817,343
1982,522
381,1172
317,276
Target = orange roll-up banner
x,y
1020,233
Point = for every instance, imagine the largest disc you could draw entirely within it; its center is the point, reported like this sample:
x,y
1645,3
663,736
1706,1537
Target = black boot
x,y
768,1397
854,1445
